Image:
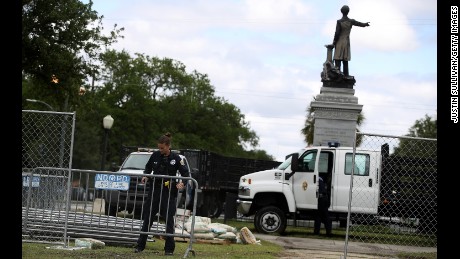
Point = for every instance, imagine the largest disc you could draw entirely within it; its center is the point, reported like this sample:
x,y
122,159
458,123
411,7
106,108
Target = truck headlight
x,y
244,191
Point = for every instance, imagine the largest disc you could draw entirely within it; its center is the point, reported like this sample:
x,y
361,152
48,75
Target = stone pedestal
x,y
335,112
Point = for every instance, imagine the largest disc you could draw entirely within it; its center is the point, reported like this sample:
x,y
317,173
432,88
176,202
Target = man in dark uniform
x,y
322,215
162,191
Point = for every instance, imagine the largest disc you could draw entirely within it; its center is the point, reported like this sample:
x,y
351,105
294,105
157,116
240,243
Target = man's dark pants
x,y
322,216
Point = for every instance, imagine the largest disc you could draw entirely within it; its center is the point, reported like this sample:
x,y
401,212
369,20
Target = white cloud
x,y
392,105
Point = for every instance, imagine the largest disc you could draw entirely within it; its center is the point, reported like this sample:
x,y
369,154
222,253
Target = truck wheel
x,y
211,207
215,210
270,220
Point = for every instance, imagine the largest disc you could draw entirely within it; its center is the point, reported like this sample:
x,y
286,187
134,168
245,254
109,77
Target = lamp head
x,y
107,122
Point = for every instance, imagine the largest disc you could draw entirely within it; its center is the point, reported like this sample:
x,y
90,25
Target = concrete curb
x,y
328,248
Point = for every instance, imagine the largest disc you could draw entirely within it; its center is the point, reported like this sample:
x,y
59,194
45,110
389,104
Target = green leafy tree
x,y
424,128
418,147
148,96
127,98
61,41
309,127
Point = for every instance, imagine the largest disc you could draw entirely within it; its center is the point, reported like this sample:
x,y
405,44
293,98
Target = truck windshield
x,y
136,161
285,164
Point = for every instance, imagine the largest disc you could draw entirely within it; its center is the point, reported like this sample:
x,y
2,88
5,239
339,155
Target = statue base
x,y
336,111
340,82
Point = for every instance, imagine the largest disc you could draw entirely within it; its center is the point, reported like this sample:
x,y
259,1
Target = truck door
x,y
304,181
326,169
366,183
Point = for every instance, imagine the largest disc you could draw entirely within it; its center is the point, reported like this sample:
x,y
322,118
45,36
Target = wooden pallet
x,y
204,241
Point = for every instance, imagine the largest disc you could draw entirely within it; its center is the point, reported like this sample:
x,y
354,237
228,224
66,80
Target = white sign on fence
x,y
112,182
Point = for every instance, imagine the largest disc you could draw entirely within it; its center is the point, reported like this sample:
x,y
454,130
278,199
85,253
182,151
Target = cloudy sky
x,y
266,56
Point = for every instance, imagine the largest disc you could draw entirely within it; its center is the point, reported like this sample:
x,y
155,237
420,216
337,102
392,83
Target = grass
x,y
154,250
215,251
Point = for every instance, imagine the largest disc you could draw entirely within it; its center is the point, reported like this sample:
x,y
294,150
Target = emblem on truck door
x,y
304,185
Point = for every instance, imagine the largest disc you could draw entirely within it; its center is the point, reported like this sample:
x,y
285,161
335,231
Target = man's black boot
x,y
138,249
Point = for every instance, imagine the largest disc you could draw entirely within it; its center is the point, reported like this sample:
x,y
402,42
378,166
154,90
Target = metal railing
x,y
59,208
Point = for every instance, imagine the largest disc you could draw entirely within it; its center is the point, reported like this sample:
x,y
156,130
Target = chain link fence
x,y
47,141
407,179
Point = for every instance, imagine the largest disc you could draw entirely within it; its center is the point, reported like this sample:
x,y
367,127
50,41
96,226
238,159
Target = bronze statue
x,y
341,41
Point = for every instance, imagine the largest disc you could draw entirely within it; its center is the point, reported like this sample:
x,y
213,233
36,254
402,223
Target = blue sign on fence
x,y
112,182
35,181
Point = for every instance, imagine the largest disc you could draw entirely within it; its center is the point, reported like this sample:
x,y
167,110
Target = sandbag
x,y
200,227
227,236
247,237
222,226
205,220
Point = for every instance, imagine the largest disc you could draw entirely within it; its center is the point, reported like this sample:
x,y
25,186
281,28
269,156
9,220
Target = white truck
x,y
290,190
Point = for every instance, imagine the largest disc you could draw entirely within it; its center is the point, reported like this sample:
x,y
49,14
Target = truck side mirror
x,y
294,162
294,165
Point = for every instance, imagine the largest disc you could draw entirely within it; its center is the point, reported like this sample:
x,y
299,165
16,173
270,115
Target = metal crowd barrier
x,y
60,204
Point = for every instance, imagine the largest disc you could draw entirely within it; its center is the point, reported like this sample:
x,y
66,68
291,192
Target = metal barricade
x,y
73,212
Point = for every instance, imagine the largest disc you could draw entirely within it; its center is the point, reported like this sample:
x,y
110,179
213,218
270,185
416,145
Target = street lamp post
x,y
42,102
107,122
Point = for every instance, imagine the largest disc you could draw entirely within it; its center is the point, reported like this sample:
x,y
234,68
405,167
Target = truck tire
x,y
215,211
211,210
270,220
212,207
